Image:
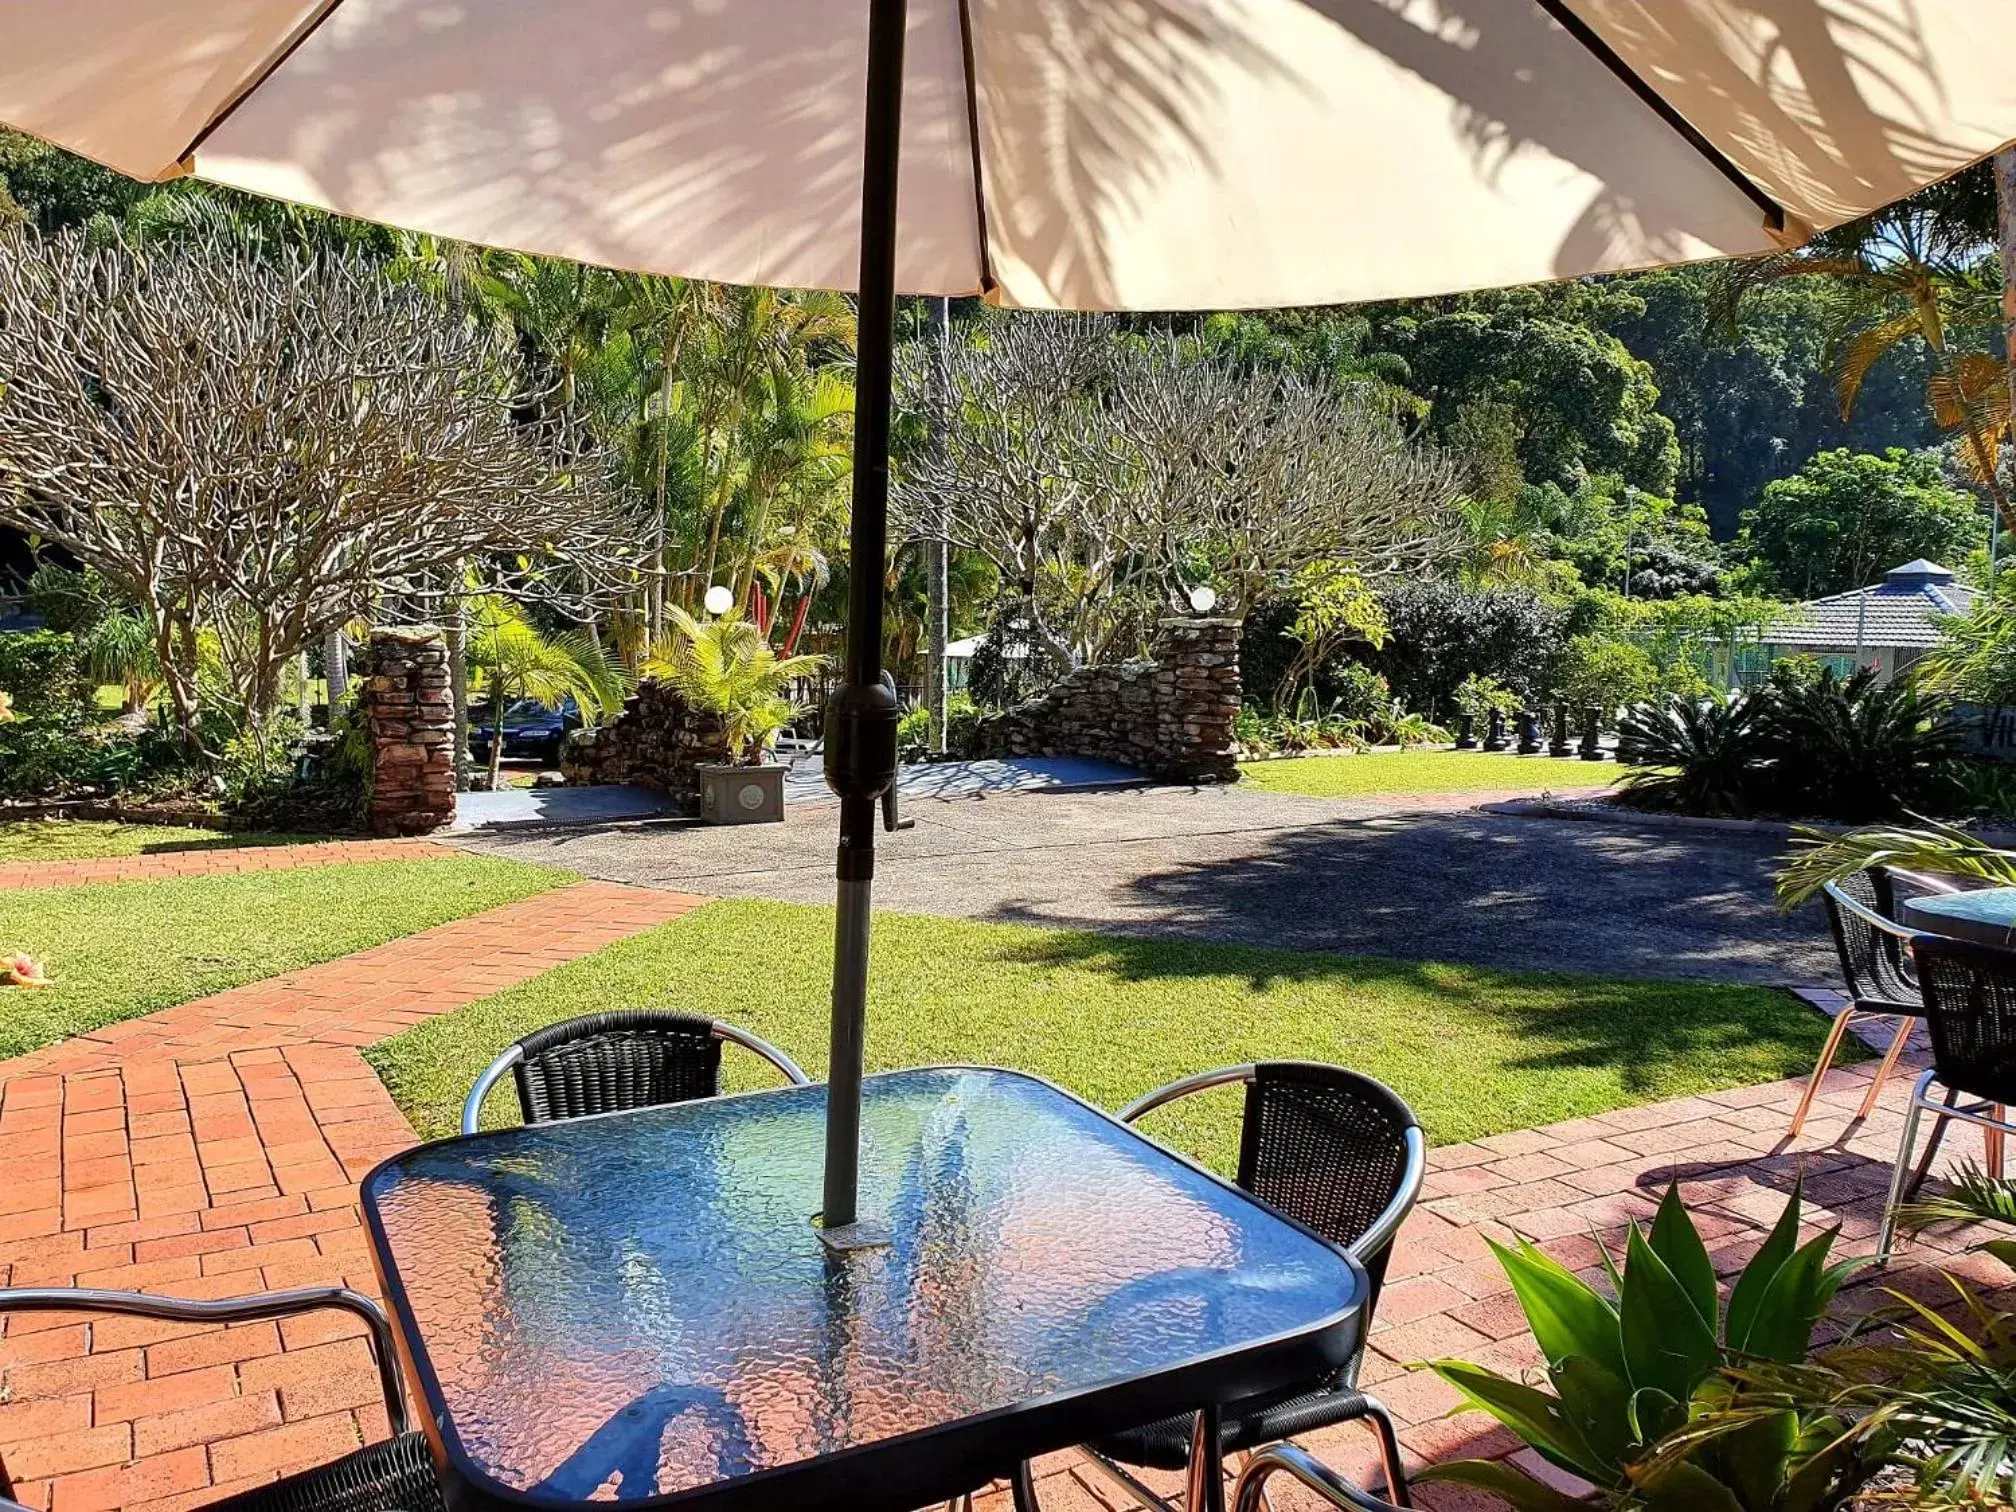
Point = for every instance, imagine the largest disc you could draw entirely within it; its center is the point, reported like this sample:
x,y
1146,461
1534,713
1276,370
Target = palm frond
x,y
1927,846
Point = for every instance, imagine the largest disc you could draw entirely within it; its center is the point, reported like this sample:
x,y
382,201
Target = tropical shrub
x,y
45,675
1481,697
1440,633
1646,1404
1599,672
726,667
515,661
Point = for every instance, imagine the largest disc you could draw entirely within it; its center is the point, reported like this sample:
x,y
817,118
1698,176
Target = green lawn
x,y
1378,773
123,949
83,840
1475,1051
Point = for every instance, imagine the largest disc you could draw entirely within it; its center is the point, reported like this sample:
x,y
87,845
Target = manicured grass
x,y
1378,773
1476,1052
127,948
86,840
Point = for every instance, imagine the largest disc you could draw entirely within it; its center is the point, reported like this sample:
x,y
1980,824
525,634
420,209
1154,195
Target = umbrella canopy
x,y
1140,154
1095,154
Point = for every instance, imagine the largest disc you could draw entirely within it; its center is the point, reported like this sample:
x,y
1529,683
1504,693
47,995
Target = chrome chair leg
x,y
1826,1063
1940,1124
1299,1465
1883,1071
1886,1237
1206,1487
1389,1451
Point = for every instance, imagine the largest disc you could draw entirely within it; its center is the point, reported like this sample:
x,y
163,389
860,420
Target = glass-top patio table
x,y
1986,915
637,1307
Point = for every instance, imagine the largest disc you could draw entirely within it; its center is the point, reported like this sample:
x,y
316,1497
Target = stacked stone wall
x,y
1171,717
657,742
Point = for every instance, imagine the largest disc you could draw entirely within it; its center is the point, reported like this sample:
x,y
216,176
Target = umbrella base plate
x,y
860,1235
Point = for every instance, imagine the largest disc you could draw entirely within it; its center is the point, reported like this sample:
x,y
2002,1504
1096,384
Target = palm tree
x,y
517,662
725,667
1912,272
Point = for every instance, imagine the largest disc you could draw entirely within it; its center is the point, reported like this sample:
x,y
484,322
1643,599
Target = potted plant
x,y
725,667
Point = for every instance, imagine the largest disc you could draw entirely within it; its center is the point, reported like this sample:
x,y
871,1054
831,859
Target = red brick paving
x,y
220,861
213,1149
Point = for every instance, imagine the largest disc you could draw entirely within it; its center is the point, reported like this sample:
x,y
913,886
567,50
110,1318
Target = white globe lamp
x,y
719,600
1204,598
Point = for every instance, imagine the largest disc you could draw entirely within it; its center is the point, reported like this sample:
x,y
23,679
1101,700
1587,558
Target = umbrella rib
x,y
1775,218
973,141
245,91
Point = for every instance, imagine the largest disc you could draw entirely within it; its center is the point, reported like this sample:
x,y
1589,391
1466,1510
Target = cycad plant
x,y
1643,1404
1864,749
515,661
726,667
1696,755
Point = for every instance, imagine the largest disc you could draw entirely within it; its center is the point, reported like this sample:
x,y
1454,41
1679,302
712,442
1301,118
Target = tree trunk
x,y
496,733
937,608
456,634
305,705
336,664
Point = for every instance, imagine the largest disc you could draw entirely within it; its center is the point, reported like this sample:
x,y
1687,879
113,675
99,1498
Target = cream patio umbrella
x,y
1092,154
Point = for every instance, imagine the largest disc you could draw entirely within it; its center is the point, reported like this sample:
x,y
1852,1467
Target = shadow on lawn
x,y
1494,891
1641,1030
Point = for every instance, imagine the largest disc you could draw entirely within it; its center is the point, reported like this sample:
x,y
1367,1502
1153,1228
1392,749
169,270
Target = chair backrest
x,y
1970,1012
1329,1147
608,1062
1873,960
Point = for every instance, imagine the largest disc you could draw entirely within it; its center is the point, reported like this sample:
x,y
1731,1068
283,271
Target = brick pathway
x,y
214,862
210,1150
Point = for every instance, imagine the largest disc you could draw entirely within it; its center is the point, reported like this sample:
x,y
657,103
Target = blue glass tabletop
x,y
638,1307
1986,915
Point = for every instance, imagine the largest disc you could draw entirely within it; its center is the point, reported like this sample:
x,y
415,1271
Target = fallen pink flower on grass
x,y
22,970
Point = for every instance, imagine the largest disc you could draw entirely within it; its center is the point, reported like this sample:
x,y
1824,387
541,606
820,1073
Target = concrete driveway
x,y
1384,877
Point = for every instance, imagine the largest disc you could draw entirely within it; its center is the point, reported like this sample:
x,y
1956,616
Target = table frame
x,y
934,1464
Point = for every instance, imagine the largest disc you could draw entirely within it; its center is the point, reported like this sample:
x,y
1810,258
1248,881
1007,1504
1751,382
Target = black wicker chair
x,y
1343,1154
608,1062
395,1476
1874,951
1970,1012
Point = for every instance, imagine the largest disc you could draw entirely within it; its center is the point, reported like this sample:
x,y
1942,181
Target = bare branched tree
x,y
1105,474
262,444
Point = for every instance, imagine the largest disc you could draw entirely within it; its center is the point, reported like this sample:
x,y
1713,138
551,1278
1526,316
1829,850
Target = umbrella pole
x,y
861,721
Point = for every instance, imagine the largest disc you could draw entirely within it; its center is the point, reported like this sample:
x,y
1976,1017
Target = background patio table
x,y
1987,915
639,1302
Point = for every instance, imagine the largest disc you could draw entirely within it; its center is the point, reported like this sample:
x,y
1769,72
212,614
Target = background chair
x,y
608,1062
1343,1154
1970,1012
395,1476
1876,965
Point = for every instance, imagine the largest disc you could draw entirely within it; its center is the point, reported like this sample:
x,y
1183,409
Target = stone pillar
x,y
1197,694
412,723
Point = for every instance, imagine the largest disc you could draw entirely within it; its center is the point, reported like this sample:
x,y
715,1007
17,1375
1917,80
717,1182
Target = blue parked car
x,y
531,730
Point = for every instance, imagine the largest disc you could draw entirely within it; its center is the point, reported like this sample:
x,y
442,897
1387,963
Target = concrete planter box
x,y
742,794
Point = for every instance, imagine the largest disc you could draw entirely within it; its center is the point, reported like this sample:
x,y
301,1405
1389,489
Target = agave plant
x,y
1697,755
725,667
1631,1376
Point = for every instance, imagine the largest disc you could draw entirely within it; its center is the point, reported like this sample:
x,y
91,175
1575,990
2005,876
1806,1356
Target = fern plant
x,y
726,667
